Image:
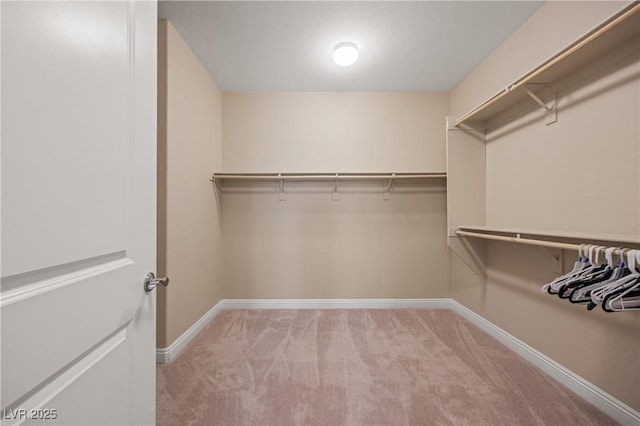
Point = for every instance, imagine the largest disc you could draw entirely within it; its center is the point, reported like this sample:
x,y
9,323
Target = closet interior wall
x,y
580,174
310,246
189,146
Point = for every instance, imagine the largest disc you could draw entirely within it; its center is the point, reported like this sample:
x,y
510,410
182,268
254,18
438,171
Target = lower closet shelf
x,y
551,239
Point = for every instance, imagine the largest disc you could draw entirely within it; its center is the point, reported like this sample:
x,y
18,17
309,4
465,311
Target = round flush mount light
x,y
345,54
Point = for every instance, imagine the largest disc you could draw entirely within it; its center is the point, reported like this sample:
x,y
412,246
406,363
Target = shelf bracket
x,y
550,112
387,192
336,194
283,189
556,259
216,186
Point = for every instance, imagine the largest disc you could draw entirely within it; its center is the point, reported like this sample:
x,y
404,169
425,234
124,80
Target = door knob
x,y
151,282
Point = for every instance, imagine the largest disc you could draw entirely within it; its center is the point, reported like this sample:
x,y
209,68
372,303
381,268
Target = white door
x,y
78,212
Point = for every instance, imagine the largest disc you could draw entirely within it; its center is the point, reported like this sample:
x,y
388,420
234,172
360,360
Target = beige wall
x,y
580,174
541,177
310,246
362,246
603,348
324,132
358,247
189,149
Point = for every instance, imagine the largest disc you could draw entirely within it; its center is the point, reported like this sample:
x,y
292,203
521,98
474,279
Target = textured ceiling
x,y
287,45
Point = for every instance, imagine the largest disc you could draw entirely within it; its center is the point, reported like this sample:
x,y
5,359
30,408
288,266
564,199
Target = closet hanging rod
x,y
528,241
324,176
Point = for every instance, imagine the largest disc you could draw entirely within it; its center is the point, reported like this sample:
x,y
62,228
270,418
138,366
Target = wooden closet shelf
x,y
542,237
324,176
622,27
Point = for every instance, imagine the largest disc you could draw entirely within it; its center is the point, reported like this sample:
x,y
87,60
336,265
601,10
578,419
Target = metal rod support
x,y
393,175
538,100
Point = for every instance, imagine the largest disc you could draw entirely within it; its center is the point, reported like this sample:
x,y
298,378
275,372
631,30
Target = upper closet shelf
x,y
324,176
387,179
622,27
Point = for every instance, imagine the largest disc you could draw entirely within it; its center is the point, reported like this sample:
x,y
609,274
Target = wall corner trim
x,y
616,409
606,403
166,355
337,304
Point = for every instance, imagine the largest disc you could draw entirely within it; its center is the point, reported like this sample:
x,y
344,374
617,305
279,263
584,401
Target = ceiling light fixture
x,y
345,54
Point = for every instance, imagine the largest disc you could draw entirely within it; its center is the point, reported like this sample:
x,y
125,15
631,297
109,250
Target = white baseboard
x,y
337,304
616,409
166,355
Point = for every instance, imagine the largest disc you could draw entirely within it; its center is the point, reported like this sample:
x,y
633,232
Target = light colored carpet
x,y
358,367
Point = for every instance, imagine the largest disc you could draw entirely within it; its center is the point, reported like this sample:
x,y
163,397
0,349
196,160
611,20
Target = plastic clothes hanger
x,y
627,296
602,271
588,266
626,300
579,267
582,294
579,290
581,264
576,267
598,295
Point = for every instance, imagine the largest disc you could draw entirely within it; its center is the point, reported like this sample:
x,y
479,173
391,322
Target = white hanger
x,y
586,267
600,271
580,295
580,264
618,302
633,258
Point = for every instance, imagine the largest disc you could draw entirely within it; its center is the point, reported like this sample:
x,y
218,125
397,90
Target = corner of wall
x,y
510,293
161,216
189,149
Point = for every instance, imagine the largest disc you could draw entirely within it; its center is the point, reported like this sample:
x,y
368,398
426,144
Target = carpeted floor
x,y
358,367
